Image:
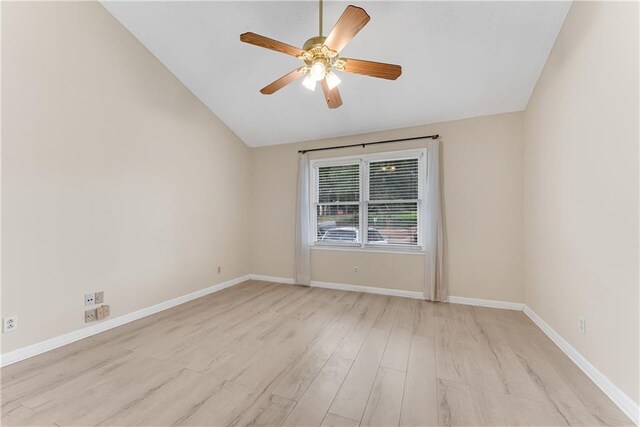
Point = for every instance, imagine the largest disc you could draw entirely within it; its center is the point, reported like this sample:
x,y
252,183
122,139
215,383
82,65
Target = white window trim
x,y
363,162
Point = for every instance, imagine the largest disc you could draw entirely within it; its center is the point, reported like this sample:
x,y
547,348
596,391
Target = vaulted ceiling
x,y
459,60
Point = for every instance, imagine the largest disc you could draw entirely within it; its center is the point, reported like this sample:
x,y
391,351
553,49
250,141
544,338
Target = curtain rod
x,y
364,144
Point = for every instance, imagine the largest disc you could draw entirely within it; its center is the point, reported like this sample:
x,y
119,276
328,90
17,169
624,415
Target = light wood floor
x,y
268,354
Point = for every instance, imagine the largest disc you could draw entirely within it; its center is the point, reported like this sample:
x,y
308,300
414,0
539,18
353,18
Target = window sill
x,y
398,251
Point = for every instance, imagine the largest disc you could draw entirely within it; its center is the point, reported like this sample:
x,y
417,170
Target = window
x,y
372,201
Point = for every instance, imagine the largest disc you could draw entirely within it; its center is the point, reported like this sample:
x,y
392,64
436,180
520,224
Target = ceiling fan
x,y
321,54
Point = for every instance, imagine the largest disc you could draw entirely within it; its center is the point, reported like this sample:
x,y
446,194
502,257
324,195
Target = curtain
x,y
434,286
302,274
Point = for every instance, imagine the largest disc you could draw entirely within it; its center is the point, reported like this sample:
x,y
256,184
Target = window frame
x,y
363,161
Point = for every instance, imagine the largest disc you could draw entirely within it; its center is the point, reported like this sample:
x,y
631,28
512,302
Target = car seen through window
x,y
351,235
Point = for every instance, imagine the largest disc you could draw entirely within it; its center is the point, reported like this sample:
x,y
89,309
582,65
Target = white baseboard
x,y
367,289
393,292
341,286
505,305
53,343
273,279
619,397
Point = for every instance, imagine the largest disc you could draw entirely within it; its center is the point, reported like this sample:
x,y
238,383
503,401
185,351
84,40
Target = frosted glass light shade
x,y
332,80
309,83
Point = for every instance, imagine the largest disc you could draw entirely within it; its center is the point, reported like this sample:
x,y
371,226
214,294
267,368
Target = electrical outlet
x,y
10,324
356,270
88,299
582,324
90,315
100,313
107,310
219,270
99,298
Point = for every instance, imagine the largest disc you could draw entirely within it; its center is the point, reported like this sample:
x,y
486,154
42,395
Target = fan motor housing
x,y
314,42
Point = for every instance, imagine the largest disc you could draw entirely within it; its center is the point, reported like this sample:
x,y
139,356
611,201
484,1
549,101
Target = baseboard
x,y
367,289
53,343
393,292
505,305
262,277
619,397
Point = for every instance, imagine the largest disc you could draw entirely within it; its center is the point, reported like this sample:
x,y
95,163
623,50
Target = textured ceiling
x,y
459,59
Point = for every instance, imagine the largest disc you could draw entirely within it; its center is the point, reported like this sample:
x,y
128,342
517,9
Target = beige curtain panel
x,y
302,274
435,288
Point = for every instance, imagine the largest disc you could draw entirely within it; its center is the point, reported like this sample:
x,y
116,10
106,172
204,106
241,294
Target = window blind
x,y
393,201
338,205
370,201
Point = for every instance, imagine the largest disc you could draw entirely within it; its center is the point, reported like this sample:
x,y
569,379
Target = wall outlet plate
x,y
10,324
89,299
99,298
582,324
100,313
356,270
90,315
107,310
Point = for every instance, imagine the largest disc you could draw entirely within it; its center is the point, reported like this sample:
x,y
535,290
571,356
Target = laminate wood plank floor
x,y
270,354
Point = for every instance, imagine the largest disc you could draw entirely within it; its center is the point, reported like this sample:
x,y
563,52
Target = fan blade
x,y
334,100
267,43
281,82
353,19
373,69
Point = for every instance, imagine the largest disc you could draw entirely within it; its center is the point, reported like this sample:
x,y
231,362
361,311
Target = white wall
x,y
482,168
114,176
581,188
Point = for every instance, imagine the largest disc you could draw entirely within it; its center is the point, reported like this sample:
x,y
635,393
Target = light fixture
x,y
321,54
317,71
309,83
332,80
